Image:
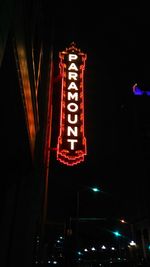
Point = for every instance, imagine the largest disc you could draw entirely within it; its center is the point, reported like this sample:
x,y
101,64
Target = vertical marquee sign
x,y
71,146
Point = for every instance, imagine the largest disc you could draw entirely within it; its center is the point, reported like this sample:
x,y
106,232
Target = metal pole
x,y
78,200
77,223
77,215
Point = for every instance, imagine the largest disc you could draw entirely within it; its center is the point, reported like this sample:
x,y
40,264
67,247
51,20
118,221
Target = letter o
x,y
72,107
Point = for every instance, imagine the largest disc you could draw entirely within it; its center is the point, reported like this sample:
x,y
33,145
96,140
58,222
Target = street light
x,y
118,235
69,232
93,189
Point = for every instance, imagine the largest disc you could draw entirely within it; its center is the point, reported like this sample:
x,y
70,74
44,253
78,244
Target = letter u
x,y
71,119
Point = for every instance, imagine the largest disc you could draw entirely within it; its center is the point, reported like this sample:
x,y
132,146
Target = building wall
x,y
24,77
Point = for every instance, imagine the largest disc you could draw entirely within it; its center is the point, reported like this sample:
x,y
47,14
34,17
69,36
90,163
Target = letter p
x,y
72,57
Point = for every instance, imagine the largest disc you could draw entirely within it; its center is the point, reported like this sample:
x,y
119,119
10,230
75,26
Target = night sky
x,y
117,46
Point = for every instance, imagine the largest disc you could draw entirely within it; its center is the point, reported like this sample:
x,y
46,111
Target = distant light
x,y
116,233
93,249
85,249
132,243
139,91
95,189
123,221
103,247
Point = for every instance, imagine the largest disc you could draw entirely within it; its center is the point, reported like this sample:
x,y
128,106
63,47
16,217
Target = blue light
x,y
95,189
116,233
138,91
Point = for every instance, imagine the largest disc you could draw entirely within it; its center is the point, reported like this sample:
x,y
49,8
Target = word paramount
x,y
71,146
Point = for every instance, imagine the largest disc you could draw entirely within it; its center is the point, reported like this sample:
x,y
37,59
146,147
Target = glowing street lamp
x,y
116,233
132,243
93,189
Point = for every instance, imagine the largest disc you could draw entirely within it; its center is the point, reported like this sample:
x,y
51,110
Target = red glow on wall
x,y
71,146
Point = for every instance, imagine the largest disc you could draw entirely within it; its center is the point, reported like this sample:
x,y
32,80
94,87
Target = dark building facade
x,y
26,111
141,141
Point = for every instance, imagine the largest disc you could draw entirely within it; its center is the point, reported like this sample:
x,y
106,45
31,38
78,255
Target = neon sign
x,y
71,146
138,91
